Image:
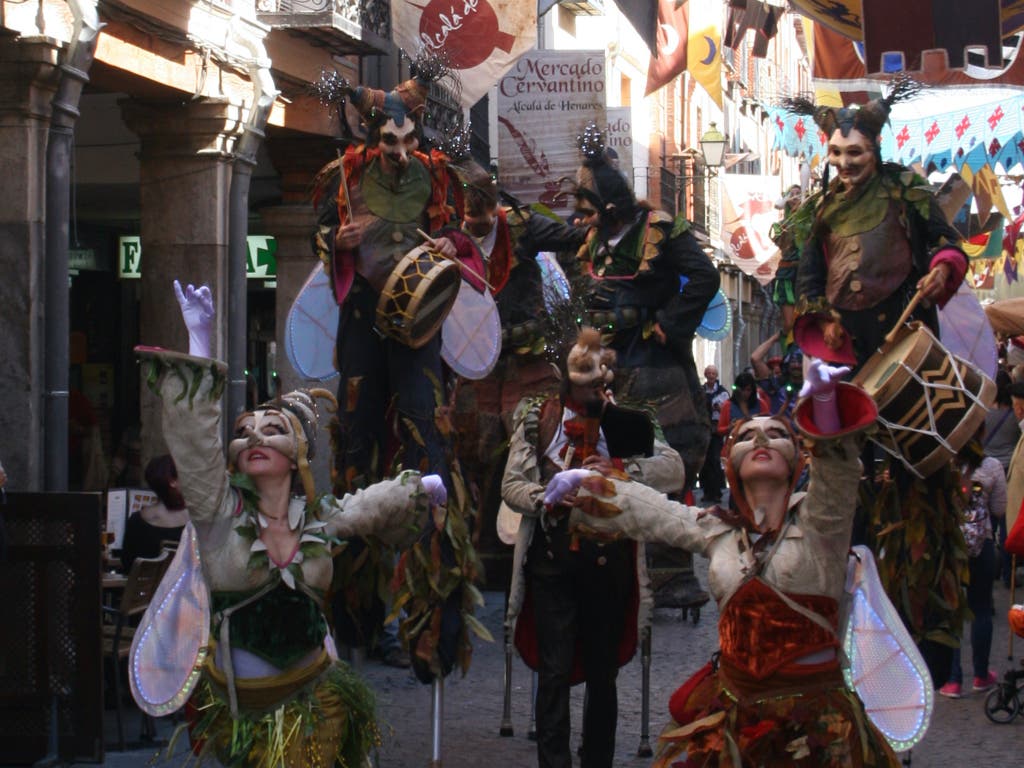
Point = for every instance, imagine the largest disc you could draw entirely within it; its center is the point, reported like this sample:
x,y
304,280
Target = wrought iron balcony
x,y
344,26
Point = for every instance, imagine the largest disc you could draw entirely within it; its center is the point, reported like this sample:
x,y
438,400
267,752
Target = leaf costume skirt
x,y
793,718
317,716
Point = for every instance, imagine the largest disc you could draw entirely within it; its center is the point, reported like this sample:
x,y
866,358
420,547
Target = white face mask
x,y
399,142
763,433
266,429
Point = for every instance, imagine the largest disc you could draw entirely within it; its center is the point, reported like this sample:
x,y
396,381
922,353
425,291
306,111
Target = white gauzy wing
x,y
172,640
884,665
311,328
471,333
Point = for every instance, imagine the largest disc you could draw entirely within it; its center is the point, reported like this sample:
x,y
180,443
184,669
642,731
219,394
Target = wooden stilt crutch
x,y
506,728
531,734
1013,589
436,718
644,750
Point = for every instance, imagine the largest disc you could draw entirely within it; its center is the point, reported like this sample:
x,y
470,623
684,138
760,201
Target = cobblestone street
x,y
960,734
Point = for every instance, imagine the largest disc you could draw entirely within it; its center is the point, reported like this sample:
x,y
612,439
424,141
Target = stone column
x,y
184,180
292,224
27,86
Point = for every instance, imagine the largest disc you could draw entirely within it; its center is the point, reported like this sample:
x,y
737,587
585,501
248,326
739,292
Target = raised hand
x,y
198,312
562,484
821,378
436,492
820,382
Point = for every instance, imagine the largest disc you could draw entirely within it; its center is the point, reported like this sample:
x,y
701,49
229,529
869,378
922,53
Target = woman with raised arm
x,y
272,691
774,695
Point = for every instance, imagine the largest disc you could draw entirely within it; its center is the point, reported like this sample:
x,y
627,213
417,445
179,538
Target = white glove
x,y
820,382
562,484
197,311
434,486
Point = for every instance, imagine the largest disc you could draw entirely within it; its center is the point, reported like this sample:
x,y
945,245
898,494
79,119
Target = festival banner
x,y
480,38
544,102
748,212
619,137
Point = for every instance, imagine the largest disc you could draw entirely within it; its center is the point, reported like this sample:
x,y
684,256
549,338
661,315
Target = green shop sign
x,y
260,264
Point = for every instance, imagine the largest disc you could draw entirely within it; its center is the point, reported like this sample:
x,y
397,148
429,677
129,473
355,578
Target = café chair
x,y
140,585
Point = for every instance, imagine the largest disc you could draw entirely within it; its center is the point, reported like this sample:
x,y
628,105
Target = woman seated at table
x,y
158,525
775,694
272,690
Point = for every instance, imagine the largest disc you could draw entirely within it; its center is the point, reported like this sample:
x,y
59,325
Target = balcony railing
x,y
349,26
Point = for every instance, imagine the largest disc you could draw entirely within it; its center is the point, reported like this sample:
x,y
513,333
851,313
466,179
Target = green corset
x,y
281,627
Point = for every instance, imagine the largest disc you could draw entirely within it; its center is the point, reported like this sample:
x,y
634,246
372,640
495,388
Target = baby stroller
x,y
1007,699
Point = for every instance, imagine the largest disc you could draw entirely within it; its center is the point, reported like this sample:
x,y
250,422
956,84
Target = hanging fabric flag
x,y
748,213
643,17
703,55
673,33
481,44
989,194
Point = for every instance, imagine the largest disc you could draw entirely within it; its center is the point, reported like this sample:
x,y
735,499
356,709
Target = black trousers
x,y
579,598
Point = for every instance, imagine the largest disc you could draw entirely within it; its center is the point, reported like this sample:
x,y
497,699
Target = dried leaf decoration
x,y
594,507
598,485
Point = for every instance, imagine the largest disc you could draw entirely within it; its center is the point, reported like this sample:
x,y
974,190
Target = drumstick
x,y
461,264
344,187
891,335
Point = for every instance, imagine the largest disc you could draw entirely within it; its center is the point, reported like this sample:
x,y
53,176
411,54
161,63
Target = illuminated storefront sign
x,y
261,263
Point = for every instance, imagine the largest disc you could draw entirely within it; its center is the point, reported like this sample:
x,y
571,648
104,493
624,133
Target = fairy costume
x,y
775,694
271,693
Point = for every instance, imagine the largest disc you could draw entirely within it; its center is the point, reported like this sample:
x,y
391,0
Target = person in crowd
x,y
633,259
153,527
746,402
783,286
774,694
1014,476
875,242
1002,427
712,478
1002,433
574,603
984,485
484,407
271,691
782,381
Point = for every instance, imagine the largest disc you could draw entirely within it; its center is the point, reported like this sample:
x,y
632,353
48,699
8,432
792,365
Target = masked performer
x,y
271,693
634,258
484,407
775,694
872,238
376,199
575,602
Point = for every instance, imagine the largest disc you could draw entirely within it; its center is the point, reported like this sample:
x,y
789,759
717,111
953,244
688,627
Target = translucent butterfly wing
x,y
171,642
471,333
311,328
885,667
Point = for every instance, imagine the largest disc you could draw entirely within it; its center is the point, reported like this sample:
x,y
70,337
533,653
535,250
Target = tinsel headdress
x,y
377,106
868,118
597,180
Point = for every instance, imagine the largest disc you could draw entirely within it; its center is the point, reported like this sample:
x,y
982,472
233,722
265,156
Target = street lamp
x,y
712,146
712,150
